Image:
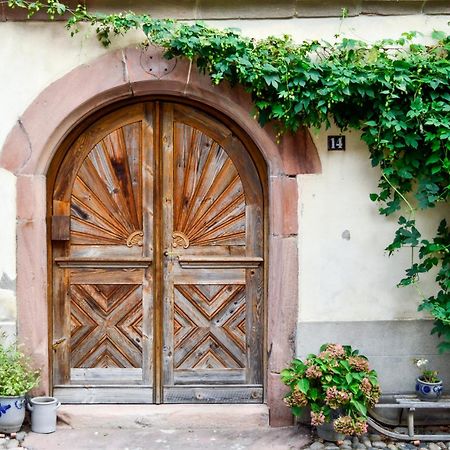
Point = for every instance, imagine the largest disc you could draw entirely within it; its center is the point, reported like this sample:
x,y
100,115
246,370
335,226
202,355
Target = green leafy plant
x,y
335,384
17,376
427,375
395,91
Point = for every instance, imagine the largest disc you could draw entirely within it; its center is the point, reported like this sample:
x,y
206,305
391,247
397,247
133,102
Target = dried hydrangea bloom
x,y
335,350
288,401
349,426
366,386
296,398
317,418
335,398
299,398
373,396
359,363
313,372
344,425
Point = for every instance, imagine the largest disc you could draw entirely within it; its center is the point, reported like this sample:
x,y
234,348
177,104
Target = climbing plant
x,y
395,91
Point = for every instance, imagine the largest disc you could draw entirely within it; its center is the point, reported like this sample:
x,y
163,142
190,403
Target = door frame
x,y
40,138
158,116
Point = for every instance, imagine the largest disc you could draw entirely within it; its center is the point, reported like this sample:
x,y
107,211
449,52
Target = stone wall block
x,y
299,153
250,9
145,66
20,149
388,8
235,9
279,414
30,204
282,313
180,9
330,8
32,310
436,7
283,216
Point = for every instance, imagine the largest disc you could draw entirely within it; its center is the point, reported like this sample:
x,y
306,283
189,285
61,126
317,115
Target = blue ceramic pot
x,y
12,414
429,392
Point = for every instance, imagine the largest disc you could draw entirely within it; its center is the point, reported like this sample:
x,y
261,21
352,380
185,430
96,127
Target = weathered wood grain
x,y
159,282
213,394
104,394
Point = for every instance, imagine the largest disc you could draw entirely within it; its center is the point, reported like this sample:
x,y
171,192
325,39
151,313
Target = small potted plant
x,y
338,387
428,384
17,377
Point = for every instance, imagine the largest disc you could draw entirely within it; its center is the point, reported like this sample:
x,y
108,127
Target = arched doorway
x,y
158,248
35,145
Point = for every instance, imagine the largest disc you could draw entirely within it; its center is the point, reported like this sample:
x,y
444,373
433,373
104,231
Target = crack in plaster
x,y
30,147
125,73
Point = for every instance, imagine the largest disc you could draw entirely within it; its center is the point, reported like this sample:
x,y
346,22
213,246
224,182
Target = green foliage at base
x,y
336,385
17,376
395,91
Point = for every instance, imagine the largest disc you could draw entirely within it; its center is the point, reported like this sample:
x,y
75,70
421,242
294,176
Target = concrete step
x,y
177,417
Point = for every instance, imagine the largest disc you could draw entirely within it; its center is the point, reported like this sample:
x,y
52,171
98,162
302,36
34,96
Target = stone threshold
x,y
196,416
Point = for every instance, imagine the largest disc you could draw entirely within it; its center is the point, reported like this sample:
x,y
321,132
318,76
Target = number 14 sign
x,y
336,143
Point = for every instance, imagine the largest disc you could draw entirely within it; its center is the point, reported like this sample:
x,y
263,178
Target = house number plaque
x,y
336,143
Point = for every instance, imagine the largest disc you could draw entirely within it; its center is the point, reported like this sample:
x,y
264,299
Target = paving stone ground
x,y
260,438
193,427
375,441
164,439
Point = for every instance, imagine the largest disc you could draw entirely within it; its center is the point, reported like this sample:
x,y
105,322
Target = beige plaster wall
x,y
7,252
344,274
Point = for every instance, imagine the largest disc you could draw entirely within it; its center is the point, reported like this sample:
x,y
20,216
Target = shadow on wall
x,y
8,307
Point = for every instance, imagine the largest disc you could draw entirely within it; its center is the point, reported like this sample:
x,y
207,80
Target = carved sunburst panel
x,y
106,205
209,200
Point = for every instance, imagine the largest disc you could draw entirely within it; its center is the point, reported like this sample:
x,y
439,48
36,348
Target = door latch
x,y
171,255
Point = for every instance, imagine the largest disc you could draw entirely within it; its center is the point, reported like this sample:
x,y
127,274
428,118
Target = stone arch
x,y
36,138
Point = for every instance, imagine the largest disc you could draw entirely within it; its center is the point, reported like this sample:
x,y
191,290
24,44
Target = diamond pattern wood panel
x,y
209,326
106,325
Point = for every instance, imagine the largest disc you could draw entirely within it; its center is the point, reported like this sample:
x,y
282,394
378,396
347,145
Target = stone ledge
x,y
251,9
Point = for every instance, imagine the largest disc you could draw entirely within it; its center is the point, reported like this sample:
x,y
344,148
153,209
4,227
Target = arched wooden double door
x,y
157,243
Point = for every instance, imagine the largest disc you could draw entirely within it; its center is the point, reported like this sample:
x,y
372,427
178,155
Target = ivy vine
x,y
395,91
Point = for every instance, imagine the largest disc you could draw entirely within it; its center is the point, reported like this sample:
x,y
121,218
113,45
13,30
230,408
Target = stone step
x,y
164,416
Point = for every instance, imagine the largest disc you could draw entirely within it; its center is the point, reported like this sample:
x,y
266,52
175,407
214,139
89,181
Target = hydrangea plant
x,y
336,384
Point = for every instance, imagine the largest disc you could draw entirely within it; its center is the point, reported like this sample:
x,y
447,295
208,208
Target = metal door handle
x,y
170,254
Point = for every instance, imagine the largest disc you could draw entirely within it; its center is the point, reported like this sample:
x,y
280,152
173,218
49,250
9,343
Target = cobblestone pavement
x,y
375,441
290,438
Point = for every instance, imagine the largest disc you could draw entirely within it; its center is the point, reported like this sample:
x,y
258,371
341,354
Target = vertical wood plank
x,y
167,181
158,250
60,344
146,196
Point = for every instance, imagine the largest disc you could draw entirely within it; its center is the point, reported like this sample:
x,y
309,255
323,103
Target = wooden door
x,y
157,239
